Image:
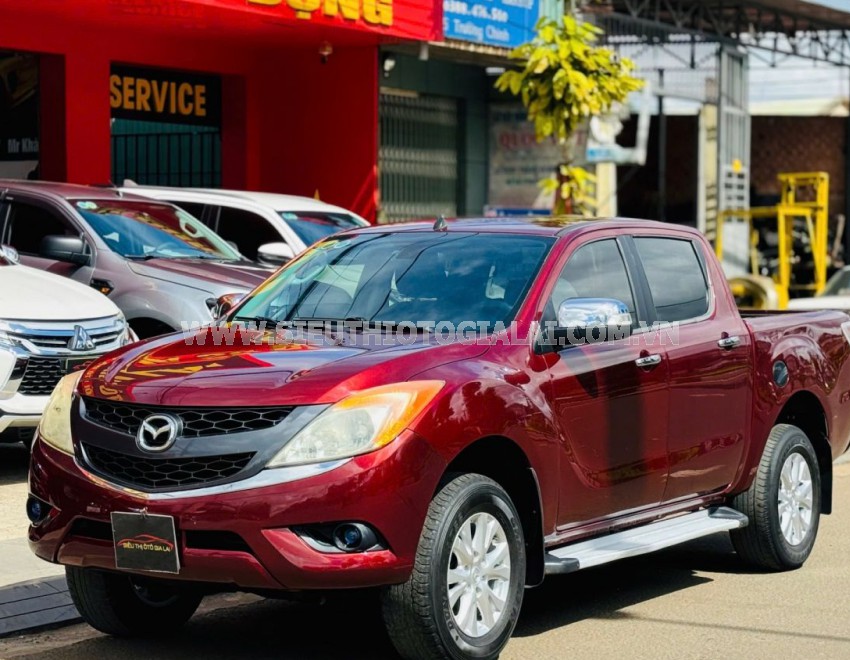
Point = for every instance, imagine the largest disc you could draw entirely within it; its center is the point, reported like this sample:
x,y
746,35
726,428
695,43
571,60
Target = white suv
x,y
266,227
49,326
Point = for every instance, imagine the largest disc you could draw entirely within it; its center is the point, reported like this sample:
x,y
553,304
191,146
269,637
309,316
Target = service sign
x,y
174,97
505,23
408,19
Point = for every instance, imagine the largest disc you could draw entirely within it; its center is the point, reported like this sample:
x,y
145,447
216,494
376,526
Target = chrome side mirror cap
x,y
583,313
588,321
275,254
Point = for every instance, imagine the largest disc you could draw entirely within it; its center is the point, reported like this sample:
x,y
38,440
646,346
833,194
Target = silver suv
x,y
160,265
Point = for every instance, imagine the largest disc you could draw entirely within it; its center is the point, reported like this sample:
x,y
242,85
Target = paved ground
x,y
17,563
691,602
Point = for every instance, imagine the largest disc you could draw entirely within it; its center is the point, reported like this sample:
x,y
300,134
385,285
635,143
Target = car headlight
x,y
360,423
55,425
6,340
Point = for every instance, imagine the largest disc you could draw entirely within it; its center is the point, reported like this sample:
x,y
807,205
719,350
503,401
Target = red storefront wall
x,y
290,122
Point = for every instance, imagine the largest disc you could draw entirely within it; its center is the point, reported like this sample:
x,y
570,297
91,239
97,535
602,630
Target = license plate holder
x,y
145,542
78,364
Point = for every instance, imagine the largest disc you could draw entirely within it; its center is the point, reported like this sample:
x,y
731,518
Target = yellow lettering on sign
x,y
350,8
143,93
303,8
373,12
184,105
378,12
157,96
114,91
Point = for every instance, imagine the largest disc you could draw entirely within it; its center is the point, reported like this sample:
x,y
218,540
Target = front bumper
x,y
389,489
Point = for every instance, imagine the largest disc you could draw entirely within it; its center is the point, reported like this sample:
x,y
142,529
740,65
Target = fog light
x,y
37,510
354,537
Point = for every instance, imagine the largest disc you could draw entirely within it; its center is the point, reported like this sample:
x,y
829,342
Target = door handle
x,y
729,342
648,361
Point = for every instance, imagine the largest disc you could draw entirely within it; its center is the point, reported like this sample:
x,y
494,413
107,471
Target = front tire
x,y
783,503
464,595
126,606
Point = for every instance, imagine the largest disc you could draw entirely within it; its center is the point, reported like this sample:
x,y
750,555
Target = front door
x,y
612,412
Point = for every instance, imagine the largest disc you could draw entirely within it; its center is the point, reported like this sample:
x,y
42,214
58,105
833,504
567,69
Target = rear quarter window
x,y
676,278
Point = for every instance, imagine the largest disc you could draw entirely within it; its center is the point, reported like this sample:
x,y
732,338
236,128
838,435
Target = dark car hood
x,y
176,371
203,274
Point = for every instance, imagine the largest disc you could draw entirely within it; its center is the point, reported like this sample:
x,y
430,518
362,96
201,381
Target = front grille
x,y
41,376
197,422
60,340
156,473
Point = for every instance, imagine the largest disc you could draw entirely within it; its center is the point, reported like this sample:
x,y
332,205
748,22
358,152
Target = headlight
x,y
55,425
360,423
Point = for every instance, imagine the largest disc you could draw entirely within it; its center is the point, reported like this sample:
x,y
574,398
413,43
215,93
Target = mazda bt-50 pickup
x,y
449,412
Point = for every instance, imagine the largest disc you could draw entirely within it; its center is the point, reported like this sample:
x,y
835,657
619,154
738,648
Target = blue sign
x,y
505,23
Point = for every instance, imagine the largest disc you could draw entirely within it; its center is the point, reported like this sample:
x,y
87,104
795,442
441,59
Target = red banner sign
x,y
407,19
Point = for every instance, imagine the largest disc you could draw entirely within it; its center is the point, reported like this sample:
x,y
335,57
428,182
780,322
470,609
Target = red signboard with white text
x,y
404,19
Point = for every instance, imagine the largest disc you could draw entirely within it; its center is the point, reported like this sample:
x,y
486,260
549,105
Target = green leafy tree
x,y
564,78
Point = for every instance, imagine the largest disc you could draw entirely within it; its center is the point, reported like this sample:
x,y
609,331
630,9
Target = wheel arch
x,y
805,411
146,327
503,461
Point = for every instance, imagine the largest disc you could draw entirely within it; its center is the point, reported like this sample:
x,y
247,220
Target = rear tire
x,y
126,606
464,595
783,503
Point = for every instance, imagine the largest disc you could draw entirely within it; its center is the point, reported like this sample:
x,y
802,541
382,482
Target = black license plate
x,y
145,542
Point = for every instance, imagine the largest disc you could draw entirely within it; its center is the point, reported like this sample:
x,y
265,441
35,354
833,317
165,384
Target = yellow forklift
x,y
788,243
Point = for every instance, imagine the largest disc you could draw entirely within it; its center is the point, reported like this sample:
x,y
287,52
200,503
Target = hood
x,y
204,274
176,371
820,302
29,294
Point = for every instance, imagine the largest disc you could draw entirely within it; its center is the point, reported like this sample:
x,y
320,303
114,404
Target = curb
x,y
35,605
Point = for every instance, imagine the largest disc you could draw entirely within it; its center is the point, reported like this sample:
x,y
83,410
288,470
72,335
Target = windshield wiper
x,y
142,257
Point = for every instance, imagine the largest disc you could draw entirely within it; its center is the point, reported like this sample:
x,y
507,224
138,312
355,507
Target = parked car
x,y
49,326
266,227
494,403
160,265
835,295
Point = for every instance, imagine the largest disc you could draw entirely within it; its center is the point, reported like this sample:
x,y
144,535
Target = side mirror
x,y
70,249
275,254
590,320
10,253
224,304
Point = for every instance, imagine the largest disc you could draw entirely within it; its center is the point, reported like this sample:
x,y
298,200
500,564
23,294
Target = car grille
x,y
54,341
41,376
197,422
157,473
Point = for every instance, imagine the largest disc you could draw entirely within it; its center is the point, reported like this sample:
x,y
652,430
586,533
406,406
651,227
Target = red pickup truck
x,y
449,412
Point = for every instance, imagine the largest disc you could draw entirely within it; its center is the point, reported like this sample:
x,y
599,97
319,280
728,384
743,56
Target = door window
x,y
676,278
595,270
29,224
192,208
246,229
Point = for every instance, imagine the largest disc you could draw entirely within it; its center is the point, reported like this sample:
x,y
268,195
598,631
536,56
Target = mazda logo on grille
x,y
158,433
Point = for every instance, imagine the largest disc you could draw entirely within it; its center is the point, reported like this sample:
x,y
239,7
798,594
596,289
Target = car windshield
x,y
314,226
404,277
838,285
137,229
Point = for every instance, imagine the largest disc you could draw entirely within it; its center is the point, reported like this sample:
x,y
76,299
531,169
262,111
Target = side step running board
x,y
642,540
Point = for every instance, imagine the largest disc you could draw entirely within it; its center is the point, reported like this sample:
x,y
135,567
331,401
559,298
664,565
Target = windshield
x,y
314,226
136,229
838,285
410,277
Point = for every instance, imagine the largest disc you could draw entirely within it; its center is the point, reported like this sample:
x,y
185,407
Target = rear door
x,y
710,365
